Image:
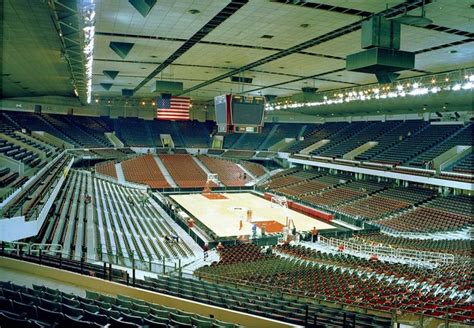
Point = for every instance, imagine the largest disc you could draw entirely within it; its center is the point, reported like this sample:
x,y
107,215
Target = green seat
x,y
180,318
160,312
140,314
92,295
140,307
159,319
201,323
124,303
108,299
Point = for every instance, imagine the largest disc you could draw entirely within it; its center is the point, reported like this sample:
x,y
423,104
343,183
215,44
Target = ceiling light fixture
x,y
194,11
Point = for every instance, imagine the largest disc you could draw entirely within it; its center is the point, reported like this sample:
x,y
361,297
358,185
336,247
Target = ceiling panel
x,y
167,18
258,18
302,65
221,55
456,14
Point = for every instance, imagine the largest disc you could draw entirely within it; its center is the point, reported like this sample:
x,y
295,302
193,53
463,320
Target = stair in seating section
x,y
204,168
269,136
119,170
165,172
90,225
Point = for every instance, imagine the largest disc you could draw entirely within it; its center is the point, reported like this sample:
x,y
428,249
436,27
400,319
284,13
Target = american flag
x,y
172,108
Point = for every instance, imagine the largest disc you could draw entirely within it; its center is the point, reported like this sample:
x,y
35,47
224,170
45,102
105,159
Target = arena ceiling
x,y
282,45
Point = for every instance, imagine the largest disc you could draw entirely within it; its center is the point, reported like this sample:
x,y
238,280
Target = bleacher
x,y
256,169
465,165
73,131
316,133
43,306
106,168
184,170
134,132
355,137
228,172
282,131
26,202
239,154
17,153
415,144
144,170
462,247
387,202
441,214
194,133
94,126
462,138
320,279
392,137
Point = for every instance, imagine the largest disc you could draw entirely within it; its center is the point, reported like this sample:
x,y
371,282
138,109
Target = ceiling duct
x,y
106,86
382,57
414,20
111,74
167,86
127,92
269,98
121,48
309,89
240,79
142,6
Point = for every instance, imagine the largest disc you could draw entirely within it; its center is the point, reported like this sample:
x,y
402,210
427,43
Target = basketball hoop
x,y
211,177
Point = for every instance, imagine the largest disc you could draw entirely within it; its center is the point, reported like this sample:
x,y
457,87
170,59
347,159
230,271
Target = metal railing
x,y
384,251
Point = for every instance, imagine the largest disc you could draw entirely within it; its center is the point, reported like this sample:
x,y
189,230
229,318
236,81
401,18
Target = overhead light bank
x,y
447,81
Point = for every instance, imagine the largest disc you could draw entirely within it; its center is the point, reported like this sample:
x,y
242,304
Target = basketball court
x,y
224,216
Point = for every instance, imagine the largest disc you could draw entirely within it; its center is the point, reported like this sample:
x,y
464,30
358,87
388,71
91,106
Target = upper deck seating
x,y
145,170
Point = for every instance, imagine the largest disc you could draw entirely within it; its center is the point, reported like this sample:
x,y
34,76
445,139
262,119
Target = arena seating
x,y
239,154
392,137
94,126
184,170
17,153
288,178
344,193
71,129
35,122
130,227
194,133
106,168
134,132
229,173
415,144
441,214
330,283
387,202
462,247
394,270
42,306
27,200
282,131
145,170
256,169
252,141
112,152
69,219
317,133
466,164
463,137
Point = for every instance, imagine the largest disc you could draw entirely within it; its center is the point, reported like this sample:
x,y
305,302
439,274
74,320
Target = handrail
x,y
380,250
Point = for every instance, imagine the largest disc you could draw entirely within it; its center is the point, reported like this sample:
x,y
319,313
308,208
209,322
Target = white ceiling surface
x,y
171,19
168,18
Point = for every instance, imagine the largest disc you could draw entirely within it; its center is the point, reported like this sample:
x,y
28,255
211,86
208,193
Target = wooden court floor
x,y
223,216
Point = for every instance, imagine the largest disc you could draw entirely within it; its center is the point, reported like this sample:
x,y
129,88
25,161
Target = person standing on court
x,y
314,234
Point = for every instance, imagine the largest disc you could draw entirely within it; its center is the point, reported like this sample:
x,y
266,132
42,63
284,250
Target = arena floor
x,y
223,216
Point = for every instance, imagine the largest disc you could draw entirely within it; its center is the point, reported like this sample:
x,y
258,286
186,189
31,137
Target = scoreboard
x,y
236,113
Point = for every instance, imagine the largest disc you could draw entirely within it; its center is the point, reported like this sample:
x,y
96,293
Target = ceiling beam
x,y
221,17
390,12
